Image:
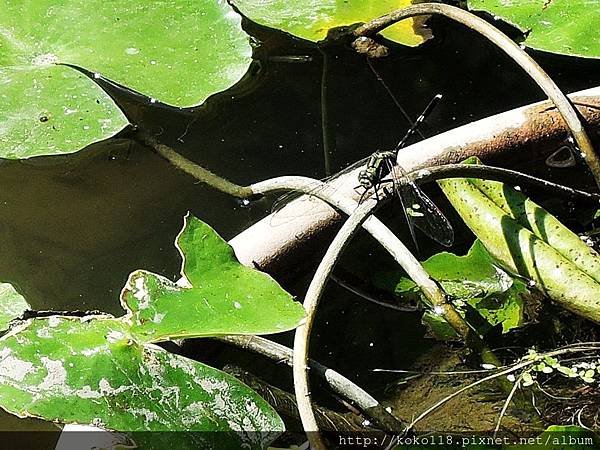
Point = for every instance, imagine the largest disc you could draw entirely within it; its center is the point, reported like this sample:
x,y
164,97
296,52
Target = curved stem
x,y
311,301
374,226
191,168
358,216
484,172
528,64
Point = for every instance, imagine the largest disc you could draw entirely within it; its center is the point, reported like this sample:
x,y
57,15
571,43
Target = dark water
x,y
74,227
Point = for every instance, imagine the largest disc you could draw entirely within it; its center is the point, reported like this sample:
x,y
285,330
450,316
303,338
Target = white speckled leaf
x,y
216,295
176,51
90,371
12,305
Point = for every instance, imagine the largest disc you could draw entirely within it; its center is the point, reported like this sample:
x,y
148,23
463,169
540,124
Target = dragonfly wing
x,y
278,217
396,183
422,212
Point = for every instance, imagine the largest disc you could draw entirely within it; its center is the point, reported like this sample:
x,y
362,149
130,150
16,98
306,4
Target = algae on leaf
x,y
92,371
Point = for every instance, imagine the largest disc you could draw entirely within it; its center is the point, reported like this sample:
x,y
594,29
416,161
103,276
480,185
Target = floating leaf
x,y
518,250
311,20
216,295
12,305
92,371
557,26
178,52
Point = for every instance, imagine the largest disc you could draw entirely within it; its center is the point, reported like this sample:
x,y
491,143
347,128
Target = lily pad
x,y
92,371
311,20
215,296
12,305
567,27
177,52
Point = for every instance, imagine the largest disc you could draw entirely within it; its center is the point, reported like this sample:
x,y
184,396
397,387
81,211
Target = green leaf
x,y
12,305
216,295
557,26
311,20
477,280
472,275
543,225
178,52
92,371
520,251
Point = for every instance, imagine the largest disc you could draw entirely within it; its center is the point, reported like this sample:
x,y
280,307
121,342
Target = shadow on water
x,y
73,227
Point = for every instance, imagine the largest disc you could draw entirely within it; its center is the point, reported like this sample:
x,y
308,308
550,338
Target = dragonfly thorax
x,y
371,175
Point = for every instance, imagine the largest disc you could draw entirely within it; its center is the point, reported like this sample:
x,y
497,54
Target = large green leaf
x,y
526,240
92,371
216,295
569,27
312,19
12,305
178,52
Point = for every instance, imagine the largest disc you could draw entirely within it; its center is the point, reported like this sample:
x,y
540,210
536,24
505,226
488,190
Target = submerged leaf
x,y
12,305
92,371
178,52
311,20
558,26
216,295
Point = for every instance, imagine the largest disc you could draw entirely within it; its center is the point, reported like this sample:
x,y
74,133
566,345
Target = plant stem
x,y
285,404
337,382
512,177
516,53
191,168
327,134
358,216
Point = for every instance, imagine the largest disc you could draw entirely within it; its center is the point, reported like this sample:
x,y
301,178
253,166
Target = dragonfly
x,y
419,210
379,171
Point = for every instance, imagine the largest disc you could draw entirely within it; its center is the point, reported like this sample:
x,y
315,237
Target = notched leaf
x,y
215,296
